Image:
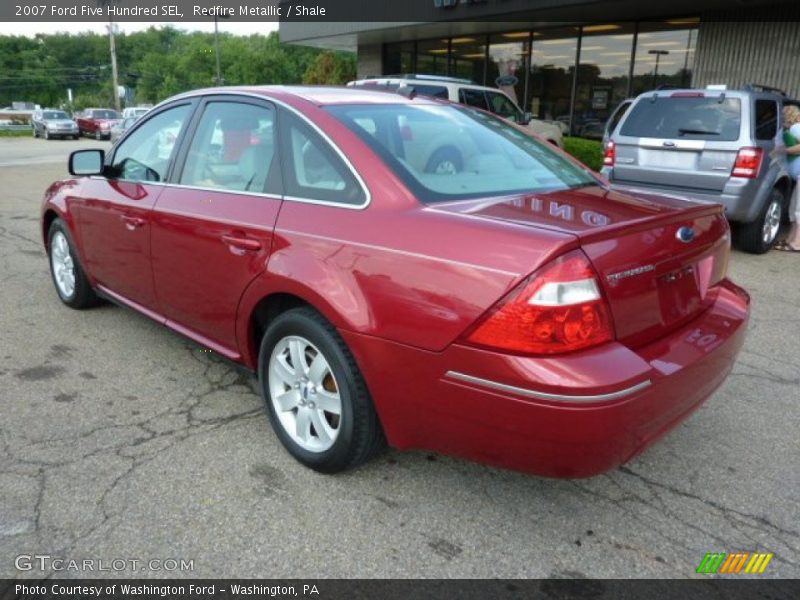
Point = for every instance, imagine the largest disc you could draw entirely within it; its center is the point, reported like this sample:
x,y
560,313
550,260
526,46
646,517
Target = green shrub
x,y
589,152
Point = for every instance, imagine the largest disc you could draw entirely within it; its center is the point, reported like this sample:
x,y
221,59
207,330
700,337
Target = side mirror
x,y
86,162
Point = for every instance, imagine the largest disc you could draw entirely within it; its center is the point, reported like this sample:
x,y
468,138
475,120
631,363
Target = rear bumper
x,y
573,416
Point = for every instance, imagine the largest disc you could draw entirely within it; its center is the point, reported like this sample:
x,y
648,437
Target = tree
x,y
330,68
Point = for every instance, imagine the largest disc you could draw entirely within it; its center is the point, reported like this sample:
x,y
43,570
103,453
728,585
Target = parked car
x,y
614,119
50,123
120,127
136,111
97,122
515,310
709,146
466,92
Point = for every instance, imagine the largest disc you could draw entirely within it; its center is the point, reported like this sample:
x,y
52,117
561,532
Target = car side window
x,y
501,105
766,119
145,154
313,170
233,149
476,98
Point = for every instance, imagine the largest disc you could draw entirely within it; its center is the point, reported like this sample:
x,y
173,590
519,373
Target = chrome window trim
x,y
495,385
305,119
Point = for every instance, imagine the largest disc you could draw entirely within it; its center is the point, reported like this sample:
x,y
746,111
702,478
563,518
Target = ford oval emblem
x,y
685,234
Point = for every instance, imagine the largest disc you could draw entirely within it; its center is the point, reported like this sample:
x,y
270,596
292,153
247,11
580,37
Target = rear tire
x,y
71,283
303,365
760,235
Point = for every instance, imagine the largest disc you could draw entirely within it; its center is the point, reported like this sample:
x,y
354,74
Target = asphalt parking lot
x,y
122,440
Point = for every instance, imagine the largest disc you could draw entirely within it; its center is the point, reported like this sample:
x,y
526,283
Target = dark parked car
x,y
97,122
515,311
51,124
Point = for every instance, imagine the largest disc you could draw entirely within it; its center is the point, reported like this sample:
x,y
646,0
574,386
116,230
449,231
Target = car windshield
x,y
55,114
693,117
105,114
452,153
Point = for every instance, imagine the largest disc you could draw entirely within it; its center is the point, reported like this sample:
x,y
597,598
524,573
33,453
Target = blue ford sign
x,y
685,234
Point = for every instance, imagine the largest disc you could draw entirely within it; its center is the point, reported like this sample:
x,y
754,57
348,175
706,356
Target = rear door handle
x,y
132,223
241,242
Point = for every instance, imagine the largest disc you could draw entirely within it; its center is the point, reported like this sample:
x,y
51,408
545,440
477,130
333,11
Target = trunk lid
x,y
654,278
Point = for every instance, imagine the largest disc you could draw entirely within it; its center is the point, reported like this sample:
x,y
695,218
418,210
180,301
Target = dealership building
x,y
576,60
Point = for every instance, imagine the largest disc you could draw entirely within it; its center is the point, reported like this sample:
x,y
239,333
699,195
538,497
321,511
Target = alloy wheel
x,y
772,222
304,393
63,265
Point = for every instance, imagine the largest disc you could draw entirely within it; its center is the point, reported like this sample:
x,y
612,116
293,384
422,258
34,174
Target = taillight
x,y
748,162
557,309
610,154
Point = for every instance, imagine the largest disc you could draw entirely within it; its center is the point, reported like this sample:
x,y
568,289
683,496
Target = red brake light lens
x,y
557,309
610,155
748,162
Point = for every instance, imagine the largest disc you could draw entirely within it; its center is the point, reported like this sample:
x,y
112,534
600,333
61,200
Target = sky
x,y
32,28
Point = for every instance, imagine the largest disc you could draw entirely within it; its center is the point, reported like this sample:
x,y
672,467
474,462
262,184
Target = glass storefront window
x,y
398,58
468,58
664,54
603,76
552,66
432,56
508,62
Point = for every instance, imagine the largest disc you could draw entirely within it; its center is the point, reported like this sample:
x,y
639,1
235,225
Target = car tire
x,y
318,438
446,160
760,235
69,278
46,134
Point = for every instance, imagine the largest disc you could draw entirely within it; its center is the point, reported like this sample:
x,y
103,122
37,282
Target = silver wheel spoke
x,y
328,402
288,400
283,372
324,431
303,424
318,369
297,352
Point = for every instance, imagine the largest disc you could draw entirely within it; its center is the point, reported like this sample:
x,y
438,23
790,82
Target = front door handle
x,y
132,223
241,242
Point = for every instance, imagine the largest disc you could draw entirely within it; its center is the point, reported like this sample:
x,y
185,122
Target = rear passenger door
x,y
213,226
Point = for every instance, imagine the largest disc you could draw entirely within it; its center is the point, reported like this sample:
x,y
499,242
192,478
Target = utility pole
x,y
218,80
114,73
113,46
658,54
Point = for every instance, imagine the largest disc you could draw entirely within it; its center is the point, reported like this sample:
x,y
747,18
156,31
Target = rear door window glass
x,y
233,149
766,119
476,98
713,118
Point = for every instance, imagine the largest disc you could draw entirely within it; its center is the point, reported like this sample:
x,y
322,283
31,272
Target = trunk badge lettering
x,y
615,277
685,234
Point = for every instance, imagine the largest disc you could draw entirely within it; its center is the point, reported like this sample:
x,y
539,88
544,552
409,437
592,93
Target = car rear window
x,y
685,117
453,152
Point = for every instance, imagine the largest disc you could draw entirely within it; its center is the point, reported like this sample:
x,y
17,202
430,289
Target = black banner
x,y
380,589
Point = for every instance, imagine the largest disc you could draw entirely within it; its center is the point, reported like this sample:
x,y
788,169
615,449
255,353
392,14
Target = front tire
x,y
760,235
70,280
316,398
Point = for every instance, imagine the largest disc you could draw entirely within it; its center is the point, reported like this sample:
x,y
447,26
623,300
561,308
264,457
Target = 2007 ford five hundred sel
x,y
404,270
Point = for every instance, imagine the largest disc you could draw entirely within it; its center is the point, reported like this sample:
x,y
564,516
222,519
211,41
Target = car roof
x,y
318,95
459,83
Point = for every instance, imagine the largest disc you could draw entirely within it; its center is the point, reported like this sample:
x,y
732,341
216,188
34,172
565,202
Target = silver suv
x,y
708,145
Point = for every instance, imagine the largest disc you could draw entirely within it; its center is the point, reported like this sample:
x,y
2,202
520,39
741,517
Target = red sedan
x,y
406,270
